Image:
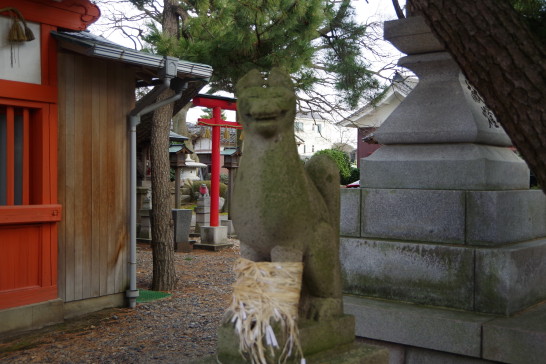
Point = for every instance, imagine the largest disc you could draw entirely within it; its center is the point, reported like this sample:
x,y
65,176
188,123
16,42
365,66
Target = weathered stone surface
x,y
511,278
411,36
418,215
315,338
498,217
420,273
182,222
422,356
444,166
278,204
397,353
451,114
455,332
32,317
350,211
519,339
213,234
355,353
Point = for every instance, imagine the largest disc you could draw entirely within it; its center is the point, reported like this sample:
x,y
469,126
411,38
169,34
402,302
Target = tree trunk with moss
x,y
503,60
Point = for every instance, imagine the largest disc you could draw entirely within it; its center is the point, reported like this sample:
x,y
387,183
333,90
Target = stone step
x,y
517,339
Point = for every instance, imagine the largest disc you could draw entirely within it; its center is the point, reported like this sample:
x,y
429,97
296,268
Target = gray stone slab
x,y
397,353
411,35
418,215
437,329
511,278
498,217
350,211
420,273
520,339
444,166
423,356
182,222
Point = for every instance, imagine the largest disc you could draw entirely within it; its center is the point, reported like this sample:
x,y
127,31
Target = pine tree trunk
x,y
164,271
503,60
179,121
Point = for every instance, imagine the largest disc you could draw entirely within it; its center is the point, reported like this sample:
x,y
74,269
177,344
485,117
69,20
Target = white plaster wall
x,y
19,61
330,134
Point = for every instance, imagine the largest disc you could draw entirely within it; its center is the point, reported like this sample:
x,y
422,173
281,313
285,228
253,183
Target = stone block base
x,y
481,218
185,247
213,247
213,234
356,353
502,280
416,334
322,342
444,167
31,317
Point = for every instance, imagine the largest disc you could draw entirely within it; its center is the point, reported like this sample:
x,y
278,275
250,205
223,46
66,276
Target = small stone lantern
x,y
231,162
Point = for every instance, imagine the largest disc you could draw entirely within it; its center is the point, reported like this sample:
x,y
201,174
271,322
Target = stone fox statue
x,y
284,211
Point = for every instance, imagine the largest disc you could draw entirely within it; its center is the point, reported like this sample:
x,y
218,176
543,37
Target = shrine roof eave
x,y
94,46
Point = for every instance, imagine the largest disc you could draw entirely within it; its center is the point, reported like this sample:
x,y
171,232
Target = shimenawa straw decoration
x,y
266,294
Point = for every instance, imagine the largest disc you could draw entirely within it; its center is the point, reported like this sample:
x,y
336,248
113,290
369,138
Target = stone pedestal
x,y
202,212
317,343
213,238
445,222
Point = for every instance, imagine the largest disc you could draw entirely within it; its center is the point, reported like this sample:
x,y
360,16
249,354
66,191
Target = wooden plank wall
x,y
94,99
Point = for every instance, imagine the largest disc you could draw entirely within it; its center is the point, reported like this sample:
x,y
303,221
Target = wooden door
x,y
28,209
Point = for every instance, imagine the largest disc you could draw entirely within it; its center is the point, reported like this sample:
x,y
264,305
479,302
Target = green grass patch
x,y
147,296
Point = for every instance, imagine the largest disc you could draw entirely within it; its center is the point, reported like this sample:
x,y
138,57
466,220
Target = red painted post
x,y
215,175
216,103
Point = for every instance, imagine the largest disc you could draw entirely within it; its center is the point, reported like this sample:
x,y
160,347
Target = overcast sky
x,y
366,11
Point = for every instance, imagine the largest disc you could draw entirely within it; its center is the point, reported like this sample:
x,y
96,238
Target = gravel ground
x,y
178,329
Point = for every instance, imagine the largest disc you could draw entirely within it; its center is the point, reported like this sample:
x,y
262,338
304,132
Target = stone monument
x,y
443,248
285,212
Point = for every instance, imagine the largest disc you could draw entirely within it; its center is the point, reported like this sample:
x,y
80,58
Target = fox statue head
x,y
266,106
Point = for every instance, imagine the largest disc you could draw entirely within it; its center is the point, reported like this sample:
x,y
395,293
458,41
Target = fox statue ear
x,y
252,79
278,78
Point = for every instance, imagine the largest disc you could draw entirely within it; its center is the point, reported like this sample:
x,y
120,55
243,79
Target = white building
x,y
314,133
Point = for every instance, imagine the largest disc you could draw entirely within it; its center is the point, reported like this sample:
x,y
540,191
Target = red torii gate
x,y
217,104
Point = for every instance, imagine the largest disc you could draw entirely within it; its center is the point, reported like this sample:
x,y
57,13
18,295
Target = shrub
x,y
342,160
354,176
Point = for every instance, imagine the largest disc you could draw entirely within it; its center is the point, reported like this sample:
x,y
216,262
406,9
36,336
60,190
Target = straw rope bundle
x,y
266,294
19,31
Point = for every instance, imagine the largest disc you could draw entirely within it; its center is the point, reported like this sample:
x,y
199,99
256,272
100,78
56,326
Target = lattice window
x,y
14,155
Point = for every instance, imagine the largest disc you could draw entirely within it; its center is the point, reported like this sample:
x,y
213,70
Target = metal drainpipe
x,y
134,119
